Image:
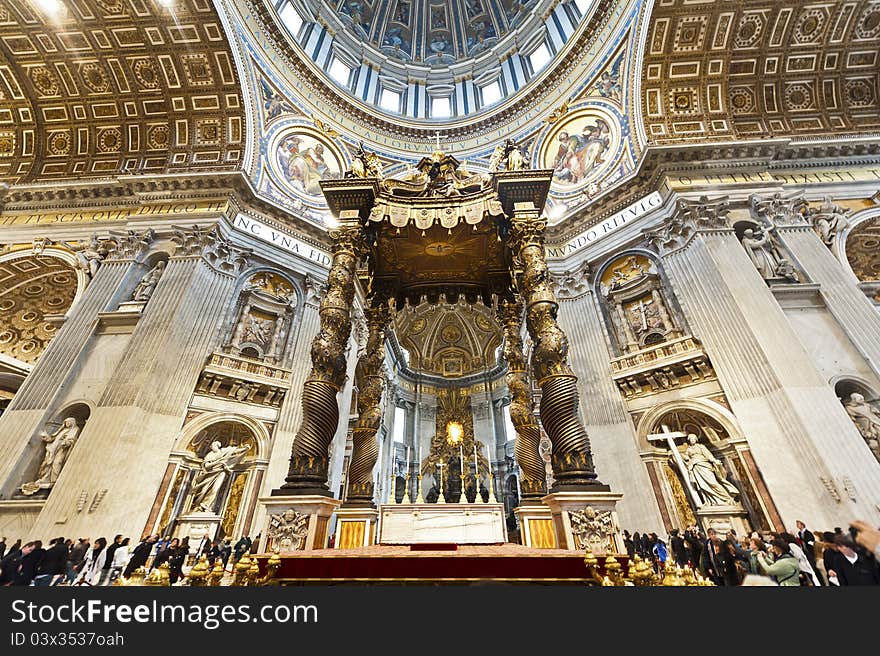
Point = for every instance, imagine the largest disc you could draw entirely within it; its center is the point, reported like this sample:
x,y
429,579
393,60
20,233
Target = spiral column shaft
x,y
370,381
528,433
572,459
309,460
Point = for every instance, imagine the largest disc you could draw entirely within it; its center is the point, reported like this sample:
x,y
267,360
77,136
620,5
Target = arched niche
x,y
771,260
263,316
37,288
862,403
142,278
682,501
50,450
636,304
231,510
860,244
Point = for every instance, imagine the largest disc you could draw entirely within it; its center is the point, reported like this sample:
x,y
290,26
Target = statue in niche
x,y
216,467
829,220
866,419
58,447
706,474
257,331
766,257
147,285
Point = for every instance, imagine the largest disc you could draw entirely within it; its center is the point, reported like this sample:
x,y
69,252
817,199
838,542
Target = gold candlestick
x,y
419,497
392,497
442,497
478,498
406,490
492,498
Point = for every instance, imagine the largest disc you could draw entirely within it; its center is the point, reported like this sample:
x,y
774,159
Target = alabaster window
x,y
491,93
441,107
390,100
636,304
291,19
539,58
339,72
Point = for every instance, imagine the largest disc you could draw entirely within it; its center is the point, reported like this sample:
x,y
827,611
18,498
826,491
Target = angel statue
x,y
58,447
215,469
365,164
89,256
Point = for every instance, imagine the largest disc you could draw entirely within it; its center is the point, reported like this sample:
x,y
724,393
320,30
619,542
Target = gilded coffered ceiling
x,y
449,340
754,68
33,289
103,87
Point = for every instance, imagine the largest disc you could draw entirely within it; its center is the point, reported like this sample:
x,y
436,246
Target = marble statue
x,y
147,285
829,220
288,530
89,256
58,447
764,254
216,467
866,419
707,475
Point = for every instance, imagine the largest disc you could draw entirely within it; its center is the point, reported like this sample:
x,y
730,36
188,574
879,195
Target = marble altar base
x,y
536,526
458,523
318,508
604,539
355,527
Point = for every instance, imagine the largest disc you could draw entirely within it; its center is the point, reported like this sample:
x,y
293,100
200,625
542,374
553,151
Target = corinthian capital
x,y
572,283
778,210
129,244
690,217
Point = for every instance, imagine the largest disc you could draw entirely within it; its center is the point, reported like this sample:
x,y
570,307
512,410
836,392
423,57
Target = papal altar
x,y
426,523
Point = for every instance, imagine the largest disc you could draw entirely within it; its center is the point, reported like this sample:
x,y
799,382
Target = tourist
x,y
851,567
629,544
660,552
120,560
756,545
76,558
709,567
784,568
2,547
808,574
165,555
242,547
107,568
140,554
176,560
637,544
807,542
31,554
93,565
679,550
828,555
53,566
214,552
226,552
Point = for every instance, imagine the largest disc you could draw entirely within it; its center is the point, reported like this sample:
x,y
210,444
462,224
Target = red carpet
x,y
386,564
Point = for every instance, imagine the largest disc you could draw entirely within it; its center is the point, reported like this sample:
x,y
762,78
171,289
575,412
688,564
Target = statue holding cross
x,y
702,472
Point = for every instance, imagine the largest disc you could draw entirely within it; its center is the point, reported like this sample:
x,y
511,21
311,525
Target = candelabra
x,y
419,497
442,497
492,498
406,498
462,497
392,497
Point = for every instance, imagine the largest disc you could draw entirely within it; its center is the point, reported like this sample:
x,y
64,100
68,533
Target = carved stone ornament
x,y
224,256
779,210
828,220
288,531
866,419
689,217
90,255
130,243
191,240
591,529
573,283
765,254
508,157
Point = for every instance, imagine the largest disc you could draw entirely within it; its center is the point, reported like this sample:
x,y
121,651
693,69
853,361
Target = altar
x,y
442,523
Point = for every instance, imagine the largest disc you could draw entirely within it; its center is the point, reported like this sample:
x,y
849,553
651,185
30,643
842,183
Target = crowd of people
x,y
795,558
83,562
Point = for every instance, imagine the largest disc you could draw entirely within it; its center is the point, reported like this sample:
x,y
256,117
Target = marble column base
x,y
355,527
196,525
605,539
723,519
318,508
536,526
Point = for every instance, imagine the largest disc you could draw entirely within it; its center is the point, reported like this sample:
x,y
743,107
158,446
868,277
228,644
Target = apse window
x,y
491,93
583,6
539,58
389,100
399,425
441,107
291,19
339,72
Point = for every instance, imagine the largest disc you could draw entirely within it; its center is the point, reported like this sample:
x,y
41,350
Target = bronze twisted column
x,y
572,459
370,381
309,461
528,433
